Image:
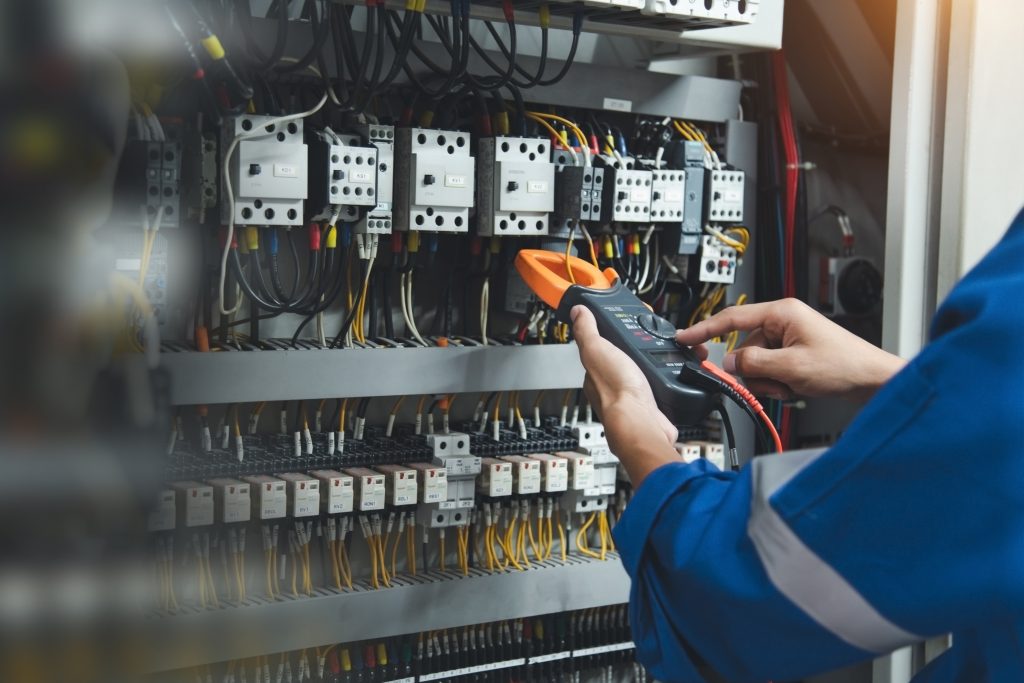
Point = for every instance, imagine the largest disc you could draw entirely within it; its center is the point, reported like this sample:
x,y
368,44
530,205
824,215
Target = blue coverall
x,y
910,526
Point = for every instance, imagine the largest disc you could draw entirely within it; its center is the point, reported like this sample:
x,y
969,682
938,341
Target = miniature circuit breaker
x,y
627,197
725,196
343,176
267,170
269,497
194,503
451,451
400,485
434,180
378,219
515,183
231,500
718,261
303,494
371,492
495,479
337,494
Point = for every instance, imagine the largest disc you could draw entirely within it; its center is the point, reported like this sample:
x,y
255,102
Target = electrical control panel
x,y
725,196
434,180
717,261
668,189
268,170
627,197
515,183
377,221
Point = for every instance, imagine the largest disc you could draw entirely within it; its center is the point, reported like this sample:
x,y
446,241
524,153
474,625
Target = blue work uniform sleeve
x,y
909,526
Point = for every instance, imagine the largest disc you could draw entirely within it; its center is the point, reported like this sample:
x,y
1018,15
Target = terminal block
x,y
515,182
434,180
725,196
378,220
267,170
628,197
717,261
343,175
668,188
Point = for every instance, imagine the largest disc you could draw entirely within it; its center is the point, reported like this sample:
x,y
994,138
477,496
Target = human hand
x,y
638,433
793,349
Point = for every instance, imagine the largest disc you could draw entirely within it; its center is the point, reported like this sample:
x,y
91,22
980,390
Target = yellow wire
x,y
581,538
441,553
561,539
570,124
562,137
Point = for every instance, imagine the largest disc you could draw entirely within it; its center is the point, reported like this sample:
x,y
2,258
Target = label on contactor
x,y
455,180
537,186
360,177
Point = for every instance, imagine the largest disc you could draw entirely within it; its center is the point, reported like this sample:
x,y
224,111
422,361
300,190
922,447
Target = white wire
x,y
485,303
618,158
658,157
405,285
230,193
655,259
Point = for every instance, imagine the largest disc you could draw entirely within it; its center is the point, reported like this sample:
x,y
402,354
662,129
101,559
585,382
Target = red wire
x,y
791,152
747,397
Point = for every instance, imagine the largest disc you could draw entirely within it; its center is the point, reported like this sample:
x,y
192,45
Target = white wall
x,y
983,165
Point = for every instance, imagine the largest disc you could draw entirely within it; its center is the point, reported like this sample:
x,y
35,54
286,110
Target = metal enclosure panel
x,y
242,376
409,606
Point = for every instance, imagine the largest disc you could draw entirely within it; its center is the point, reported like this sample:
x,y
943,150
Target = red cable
x,y
785,116
747,397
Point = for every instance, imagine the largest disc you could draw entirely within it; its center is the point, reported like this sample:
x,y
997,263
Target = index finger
x,y
743,318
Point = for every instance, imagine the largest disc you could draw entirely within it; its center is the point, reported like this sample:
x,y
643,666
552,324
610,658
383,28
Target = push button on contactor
x,y
656,326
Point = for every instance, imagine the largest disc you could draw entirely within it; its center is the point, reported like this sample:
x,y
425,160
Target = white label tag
x,y
360,177
537,186
553,657
455,180
612,104
639,194
673,196
285,171
601,649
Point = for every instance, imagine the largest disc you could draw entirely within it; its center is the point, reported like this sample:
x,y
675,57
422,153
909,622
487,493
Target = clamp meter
x,y
685,388
674,372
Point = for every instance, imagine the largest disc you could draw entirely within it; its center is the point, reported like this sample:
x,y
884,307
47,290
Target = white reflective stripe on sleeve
x,y
803,577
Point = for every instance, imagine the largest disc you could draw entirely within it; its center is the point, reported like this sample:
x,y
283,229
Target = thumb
x,y
584,327
757,361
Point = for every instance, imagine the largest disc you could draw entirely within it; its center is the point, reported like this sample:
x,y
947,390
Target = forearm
x,y
639,446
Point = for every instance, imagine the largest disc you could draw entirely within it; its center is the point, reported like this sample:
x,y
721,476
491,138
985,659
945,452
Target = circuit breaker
x,y
668,189
268,171
627,198
515,180
452,452
717,261
378,220
725,196
434,180
343,174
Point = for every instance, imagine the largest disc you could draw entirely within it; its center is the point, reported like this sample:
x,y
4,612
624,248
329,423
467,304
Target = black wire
x,y
730,437
321,31
350,318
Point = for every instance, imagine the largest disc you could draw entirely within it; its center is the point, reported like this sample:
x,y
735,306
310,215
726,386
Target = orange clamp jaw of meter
x,y
546,273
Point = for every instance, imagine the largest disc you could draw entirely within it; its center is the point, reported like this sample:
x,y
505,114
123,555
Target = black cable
x,y
321,31
350,318
730,437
